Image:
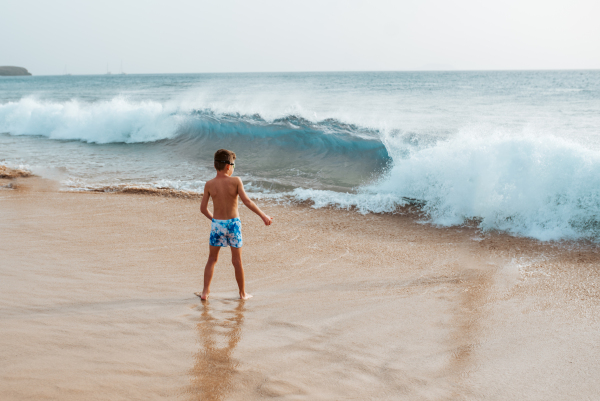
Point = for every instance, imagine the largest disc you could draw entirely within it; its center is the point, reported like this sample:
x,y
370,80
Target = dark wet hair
x,y
223,157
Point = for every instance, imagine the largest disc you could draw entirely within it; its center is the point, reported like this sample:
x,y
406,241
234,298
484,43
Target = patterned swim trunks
x,y
226,232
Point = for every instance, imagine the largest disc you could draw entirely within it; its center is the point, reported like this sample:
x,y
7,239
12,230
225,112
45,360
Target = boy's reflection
x,y
214,366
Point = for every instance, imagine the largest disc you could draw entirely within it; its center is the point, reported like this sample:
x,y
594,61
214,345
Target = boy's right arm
x,y
251,205
204,204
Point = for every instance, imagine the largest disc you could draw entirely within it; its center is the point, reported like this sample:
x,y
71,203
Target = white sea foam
x,y
541,187
364,202
116,120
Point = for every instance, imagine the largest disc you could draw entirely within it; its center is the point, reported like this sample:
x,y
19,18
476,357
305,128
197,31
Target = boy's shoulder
x,y
236,180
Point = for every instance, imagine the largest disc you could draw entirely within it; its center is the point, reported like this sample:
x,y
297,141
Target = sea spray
x,y
116,120
542,187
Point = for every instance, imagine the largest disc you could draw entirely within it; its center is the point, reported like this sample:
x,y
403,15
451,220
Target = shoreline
x,y
97,300
8,177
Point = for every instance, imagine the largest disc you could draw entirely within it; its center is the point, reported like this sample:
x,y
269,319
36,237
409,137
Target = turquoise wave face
x,y
282,151
327,152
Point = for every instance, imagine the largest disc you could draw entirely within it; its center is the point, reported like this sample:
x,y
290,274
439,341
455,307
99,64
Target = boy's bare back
x,y
224,191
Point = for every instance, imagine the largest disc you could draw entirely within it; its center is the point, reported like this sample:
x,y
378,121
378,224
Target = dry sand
x,y
96,303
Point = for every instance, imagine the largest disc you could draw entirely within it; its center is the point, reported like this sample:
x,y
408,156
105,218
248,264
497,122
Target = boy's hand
x,y
267,219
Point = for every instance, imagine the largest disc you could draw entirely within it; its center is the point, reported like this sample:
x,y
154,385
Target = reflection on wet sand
x,y
474,288
214,366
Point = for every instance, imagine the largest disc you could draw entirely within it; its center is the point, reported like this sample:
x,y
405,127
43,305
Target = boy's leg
x,y
236,259
209,269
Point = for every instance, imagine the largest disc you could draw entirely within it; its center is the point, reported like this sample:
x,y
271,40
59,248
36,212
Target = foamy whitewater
x,y
515,151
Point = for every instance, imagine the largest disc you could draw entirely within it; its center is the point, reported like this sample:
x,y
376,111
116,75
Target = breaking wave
x,y
531,185
284,141
542,187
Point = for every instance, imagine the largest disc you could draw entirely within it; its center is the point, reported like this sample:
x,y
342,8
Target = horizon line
x,y
329,71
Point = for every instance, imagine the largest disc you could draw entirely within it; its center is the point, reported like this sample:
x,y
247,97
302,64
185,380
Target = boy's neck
x,y
224,174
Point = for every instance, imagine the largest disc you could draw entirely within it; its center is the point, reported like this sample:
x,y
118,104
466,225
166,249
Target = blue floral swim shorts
x,y
226,232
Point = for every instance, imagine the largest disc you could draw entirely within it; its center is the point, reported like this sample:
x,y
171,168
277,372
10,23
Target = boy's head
x,y
223,158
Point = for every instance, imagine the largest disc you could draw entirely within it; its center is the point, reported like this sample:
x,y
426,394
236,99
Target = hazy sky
x,y
176,36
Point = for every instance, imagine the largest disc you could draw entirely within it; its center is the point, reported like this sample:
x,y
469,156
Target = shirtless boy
x,y
226,227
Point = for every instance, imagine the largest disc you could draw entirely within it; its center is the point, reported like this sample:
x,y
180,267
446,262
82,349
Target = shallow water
x,y
97,302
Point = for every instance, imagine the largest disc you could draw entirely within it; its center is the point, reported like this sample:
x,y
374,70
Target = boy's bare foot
x,y
202,295
245,295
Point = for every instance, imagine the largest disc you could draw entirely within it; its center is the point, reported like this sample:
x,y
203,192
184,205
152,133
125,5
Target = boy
x,y
226,227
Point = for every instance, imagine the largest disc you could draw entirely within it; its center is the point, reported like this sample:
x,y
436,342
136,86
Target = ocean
x,y
513,151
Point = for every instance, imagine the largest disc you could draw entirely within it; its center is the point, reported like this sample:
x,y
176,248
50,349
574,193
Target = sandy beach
x,y
96,303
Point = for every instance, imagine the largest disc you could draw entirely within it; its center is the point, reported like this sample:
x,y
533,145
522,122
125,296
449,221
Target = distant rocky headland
x,y
7,71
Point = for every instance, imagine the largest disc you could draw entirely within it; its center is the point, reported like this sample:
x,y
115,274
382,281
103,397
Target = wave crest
x,y
111,121
121,121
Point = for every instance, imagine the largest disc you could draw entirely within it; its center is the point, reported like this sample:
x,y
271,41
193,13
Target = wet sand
x,y
96,303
